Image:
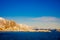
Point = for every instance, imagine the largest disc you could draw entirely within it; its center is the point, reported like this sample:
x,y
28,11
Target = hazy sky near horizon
x,y
42,13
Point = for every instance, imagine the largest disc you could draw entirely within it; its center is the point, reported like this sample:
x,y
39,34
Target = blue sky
x,y
22,11
30,8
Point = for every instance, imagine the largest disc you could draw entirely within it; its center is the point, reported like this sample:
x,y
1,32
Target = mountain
x,y
10,25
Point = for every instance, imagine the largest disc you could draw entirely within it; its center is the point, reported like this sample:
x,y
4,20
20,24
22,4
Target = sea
x,y
29,35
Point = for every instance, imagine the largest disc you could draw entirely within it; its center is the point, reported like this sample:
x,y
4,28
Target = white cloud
x,y
46,22
49,19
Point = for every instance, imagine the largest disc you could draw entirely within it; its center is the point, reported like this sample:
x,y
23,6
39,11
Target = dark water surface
x,y
29,35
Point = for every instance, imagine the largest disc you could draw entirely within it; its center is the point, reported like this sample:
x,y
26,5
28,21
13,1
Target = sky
x,y
39,13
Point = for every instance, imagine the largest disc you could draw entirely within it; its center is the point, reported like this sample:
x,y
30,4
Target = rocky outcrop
x,y
9,25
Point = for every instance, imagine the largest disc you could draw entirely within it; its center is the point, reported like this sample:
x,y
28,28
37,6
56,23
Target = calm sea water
x,y
29,35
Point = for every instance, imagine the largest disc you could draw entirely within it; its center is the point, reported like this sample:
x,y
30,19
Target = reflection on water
x,y
29,35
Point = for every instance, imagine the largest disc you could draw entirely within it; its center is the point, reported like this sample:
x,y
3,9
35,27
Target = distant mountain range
x,y
10,25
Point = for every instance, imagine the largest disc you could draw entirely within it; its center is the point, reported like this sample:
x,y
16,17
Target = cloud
x,y
49,19
46,22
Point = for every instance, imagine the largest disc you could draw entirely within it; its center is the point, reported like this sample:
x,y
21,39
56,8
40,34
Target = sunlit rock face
x,y
9,25
2,22
25,27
